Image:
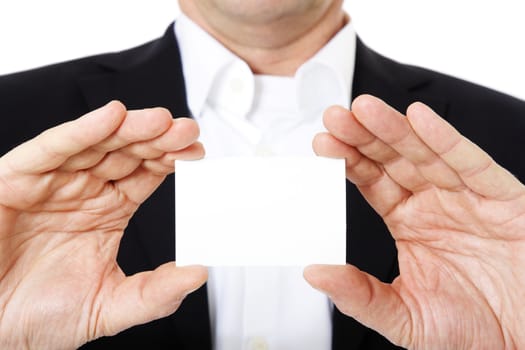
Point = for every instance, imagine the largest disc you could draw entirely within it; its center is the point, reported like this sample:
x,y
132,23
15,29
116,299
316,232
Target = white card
x,y
259,211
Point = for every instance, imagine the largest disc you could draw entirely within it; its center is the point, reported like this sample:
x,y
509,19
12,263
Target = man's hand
x,y
65,198
458,219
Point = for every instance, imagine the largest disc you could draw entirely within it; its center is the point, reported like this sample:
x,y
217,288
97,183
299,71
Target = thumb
x,y
357,294
148,296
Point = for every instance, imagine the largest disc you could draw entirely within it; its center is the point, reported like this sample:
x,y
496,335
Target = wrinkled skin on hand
x,y
66,197
458,220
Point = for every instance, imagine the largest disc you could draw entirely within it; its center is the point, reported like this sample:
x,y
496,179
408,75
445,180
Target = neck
x,y
271,45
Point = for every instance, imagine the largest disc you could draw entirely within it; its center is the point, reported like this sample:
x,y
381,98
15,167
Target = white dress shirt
x,y
240,113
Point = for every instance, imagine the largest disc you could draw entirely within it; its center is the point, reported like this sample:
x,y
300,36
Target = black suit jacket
x,y
151,75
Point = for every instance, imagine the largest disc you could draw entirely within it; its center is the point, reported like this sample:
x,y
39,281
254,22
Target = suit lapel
x,y
147,76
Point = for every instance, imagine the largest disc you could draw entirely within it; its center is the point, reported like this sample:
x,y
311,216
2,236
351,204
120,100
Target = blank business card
x,y
260,211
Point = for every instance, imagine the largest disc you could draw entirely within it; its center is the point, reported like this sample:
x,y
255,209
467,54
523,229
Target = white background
x,y
482,41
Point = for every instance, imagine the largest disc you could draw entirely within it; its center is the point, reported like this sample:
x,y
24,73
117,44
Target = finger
x,y
394,130
148,296
343,124
363,297
359,169
181,134
93,156
139,125
140,184
53,147
115,165
475,167
83,160
375,184
165,165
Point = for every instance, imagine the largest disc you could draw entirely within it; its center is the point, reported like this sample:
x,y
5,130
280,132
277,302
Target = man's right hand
x,y
65,198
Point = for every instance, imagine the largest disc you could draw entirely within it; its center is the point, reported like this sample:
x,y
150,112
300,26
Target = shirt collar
x,y
330,69
200,72
329,73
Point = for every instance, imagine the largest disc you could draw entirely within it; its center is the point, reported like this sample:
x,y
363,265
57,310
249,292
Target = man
x,y
67,195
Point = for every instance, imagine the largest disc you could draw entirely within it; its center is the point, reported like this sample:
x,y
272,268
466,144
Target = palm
x,y
458,220
442,279
65,207
84,273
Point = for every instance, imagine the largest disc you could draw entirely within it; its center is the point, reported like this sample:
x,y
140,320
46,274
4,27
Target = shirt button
x,y
258,343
